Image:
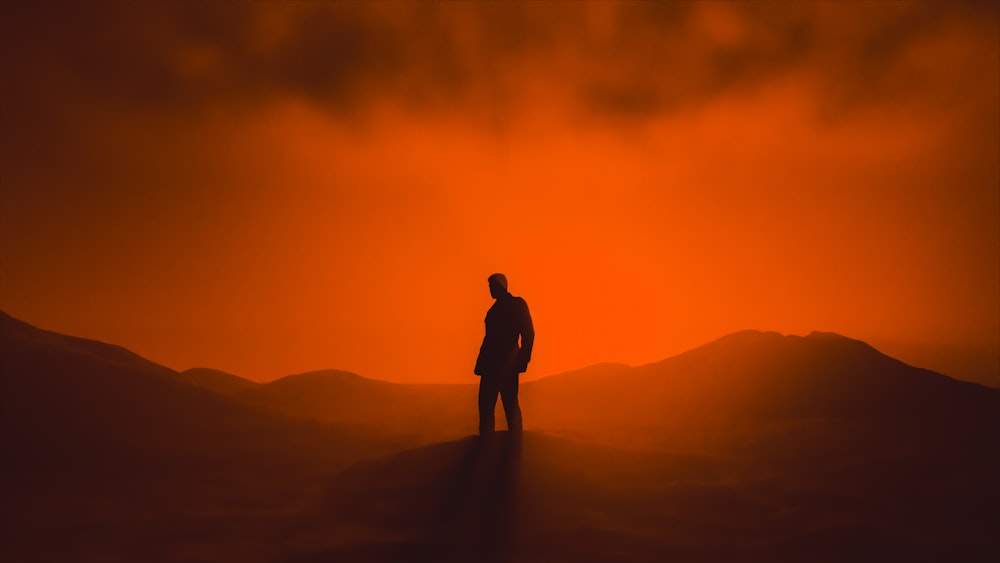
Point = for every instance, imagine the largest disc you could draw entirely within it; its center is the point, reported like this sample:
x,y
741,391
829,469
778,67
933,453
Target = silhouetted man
x,y
501,359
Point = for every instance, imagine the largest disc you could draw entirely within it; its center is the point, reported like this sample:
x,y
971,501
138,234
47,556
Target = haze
x,y
272,188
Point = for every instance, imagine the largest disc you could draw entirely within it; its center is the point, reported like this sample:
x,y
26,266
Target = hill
x,y
67,396
419,413
217,381
768,375
756,446
96,437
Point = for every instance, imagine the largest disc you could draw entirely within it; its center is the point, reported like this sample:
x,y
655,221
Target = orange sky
x,y
270,188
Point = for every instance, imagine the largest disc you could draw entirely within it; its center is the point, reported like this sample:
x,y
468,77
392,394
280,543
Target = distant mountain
x,y
822,374
756,377
750,376
20,339
424,413
68,396
217,381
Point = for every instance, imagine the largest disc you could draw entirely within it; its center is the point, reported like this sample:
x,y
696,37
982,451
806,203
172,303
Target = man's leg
x,y
511,408
487,402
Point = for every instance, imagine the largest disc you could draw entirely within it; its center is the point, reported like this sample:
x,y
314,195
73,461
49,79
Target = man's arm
x,y
480,369
527,331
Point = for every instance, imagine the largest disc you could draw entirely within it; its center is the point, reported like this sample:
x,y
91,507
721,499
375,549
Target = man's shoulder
x,y
510,302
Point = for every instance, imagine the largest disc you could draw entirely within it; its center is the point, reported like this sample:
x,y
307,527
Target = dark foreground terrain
x,y
756,447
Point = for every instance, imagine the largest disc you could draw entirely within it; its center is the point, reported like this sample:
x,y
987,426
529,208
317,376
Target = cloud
x,y
628,60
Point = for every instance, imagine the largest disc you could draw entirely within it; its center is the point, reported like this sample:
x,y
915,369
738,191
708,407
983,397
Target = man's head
x,y
498,285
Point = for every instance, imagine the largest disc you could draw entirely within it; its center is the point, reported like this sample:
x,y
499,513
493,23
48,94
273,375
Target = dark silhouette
x,y
501,360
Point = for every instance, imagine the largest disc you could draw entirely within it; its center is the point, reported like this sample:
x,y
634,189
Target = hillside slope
x,y
101,447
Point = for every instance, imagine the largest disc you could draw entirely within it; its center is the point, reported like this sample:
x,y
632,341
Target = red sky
x,y
270,188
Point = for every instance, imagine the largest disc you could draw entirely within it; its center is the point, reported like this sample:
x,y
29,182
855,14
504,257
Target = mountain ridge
x,y
67,395
749,371
786,448
29,337
204,376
